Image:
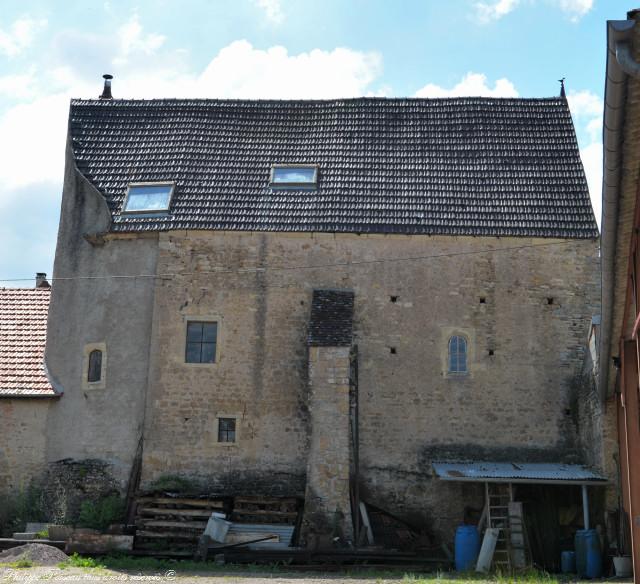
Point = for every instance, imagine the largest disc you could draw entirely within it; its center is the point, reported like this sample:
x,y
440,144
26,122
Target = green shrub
x,y
102,513
21,507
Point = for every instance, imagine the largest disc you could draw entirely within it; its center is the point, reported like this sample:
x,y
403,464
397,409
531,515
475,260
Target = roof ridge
x,y
211,100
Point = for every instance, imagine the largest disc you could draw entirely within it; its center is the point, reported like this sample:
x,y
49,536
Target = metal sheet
x,y
237,531
517,472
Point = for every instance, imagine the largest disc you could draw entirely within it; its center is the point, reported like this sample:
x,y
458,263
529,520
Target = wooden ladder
x,y
498,496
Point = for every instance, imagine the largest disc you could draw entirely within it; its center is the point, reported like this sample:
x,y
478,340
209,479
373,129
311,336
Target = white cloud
x,y
272,10
240,70
488,11
472,85
19,86
20,35
575,9
132,40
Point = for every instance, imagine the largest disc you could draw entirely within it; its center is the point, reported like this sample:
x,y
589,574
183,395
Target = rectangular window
x,y
148,198
226,429
294,176
201,342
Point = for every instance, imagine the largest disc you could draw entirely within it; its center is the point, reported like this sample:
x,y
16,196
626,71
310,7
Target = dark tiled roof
x,y
23,332
331,318
456,166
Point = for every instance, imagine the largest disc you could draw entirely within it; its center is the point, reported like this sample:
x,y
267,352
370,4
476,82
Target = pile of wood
x,y
265,510
175,524
167,524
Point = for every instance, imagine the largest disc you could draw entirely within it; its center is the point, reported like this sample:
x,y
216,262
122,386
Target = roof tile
x,y
454,166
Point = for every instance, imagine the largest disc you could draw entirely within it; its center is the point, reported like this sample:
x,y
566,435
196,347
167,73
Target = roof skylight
x,y
294,175
151,198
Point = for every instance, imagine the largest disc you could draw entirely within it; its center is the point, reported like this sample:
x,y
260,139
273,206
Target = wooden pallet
x,y
167,523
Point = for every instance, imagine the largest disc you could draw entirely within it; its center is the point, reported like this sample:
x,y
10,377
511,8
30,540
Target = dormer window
x,y
149,198
294,176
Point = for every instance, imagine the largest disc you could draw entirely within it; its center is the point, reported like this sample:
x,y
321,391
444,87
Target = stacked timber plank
x,y
265,510
167,523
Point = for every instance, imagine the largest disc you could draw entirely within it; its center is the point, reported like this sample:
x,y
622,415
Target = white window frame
x,y
170,184
300,185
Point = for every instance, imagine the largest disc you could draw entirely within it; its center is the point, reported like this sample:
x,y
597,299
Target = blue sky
x,y
51,51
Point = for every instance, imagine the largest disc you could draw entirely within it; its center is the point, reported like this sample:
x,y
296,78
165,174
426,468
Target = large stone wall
x,y
525,306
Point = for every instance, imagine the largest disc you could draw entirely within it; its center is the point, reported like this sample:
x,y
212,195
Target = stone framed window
x,y
227,429
457,362
201,341
94,366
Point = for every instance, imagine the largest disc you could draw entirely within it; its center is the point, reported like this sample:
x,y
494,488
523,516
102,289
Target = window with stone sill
x,y
457,356
227,430
201,341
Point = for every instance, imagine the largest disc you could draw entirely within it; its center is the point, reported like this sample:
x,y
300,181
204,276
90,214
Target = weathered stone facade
x,y
525,306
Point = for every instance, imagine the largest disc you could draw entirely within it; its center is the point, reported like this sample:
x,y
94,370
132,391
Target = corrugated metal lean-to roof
x,y
520,472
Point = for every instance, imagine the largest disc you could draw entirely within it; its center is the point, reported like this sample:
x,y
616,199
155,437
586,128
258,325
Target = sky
x,y
53,51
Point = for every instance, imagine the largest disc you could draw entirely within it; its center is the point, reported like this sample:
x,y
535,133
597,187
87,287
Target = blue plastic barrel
x,y
594,554
588,554
467,547
568,562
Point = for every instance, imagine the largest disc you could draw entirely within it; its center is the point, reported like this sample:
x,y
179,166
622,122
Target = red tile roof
x,y
23,332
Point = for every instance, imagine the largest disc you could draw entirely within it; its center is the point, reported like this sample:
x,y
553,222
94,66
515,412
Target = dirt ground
x,y
103,576
100,576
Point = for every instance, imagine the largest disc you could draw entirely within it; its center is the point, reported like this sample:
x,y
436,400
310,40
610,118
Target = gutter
x,y
620,65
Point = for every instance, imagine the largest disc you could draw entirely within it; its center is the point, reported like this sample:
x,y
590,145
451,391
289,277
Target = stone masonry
x,y
327,500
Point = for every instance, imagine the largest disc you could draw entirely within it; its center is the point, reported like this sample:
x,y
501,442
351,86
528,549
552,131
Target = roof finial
x,y
106,92
562,92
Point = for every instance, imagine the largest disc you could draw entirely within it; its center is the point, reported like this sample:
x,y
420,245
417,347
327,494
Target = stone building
x,y
25,391
236,279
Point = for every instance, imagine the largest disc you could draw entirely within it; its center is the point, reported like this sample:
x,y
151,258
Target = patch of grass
x,y
44,534
78,561
22,563
530,576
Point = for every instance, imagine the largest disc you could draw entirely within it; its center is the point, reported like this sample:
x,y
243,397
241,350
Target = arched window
x,y
457,354
94,372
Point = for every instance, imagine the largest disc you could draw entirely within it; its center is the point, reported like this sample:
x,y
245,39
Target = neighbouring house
x,y
25,391
332,301
620,262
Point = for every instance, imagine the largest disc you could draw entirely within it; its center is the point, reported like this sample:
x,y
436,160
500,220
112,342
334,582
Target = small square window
x,y
298,176
226,429
201,342
148,198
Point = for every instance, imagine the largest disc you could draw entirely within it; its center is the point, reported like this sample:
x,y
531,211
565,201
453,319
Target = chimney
x,y
106,92
41,280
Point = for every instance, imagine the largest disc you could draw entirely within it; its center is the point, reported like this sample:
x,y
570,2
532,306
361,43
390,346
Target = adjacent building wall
x,y
22,453
525,306
102,293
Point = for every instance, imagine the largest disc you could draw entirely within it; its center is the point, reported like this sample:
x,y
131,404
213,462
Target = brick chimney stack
x,y
41,280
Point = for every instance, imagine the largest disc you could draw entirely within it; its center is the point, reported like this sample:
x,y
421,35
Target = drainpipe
x,y
585,506
620,65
